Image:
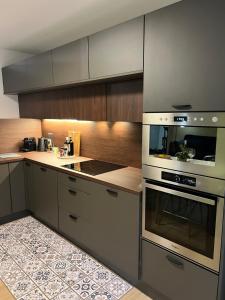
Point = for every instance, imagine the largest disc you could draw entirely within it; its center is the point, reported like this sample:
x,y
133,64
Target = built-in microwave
x,y
189,142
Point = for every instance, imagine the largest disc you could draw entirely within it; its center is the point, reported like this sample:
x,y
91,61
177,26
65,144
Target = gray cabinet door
x,y
175,277
70,62
28,171
39,71
185,57
45,194
14,78
118,50
17,185
118,229
5,197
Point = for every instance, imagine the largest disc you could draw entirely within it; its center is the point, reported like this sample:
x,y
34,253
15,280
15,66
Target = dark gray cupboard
x,y
184,58
118,50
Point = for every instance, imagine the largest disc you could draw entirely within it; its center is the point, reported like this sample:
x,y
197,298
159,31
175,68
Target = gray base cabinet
x,y
185,57
45,195
103,220
175,277
5,196
117,50
17,185
28,177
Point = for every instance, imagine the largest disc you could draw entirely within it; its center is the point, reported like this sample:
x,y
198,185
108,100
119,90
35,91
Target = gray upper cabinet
x,y
14,77
118,50
39,71
5,197
17,185
185,57
70,62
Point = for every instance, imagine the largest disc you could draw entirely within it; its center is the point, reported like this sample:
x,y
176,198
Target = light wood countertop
x,y
127,179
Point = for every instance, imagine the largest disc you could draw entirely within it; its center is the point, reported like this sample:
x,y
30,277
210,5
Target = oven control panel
x,y
177,178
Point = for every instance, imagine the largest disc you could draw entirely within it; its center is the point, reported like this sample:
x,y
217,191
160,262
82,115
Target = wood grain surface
x,y
82,103
118,142
125,101
13,131
111,101
4,292
135,294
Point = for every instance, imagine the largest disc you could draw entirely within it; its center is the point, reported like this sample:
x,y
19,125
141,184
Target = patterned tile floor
x,y
38,264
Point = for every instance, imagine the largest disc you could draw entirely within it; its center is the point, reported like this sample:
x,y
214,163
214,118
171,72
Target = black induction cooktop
x,y
93,167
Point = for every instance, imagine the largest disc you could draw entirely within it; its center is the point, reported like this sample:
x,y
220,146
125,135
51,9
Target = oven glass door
x,y
185,219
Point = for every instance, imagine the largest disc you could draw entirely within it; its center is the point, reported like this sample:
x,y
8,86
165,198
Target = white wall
x,y
9,104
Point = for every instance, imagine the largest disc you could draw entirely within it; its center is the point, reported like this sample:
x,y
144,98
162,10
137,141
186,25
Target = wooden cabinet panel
x,y
183,280
5,197
81,103
185,57
17,185
70,62
125,101
117,50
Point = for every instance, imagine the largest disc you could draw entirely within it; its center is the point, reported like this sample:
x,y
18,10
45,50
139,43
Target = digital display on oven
x,y
180,119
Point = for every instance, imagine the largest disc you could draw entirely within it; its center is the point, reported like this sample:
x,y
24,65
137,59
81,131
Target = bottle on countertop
x,y
71,152
67,146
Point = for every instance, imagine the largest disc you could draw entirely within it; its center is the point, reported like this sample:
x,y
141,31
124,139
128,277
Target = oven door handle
x,y
180,194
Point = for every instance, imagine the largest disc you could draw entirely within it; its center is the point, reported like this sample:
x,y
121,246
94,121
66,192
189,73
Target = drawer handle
x,y
72,192
72,179
43,169
175,261
74,218
182,107
112,193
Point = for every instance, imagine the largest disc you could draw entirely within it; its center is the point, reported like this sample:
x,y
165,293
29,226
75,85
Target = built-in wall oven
x,y
190,142
184,184
184,213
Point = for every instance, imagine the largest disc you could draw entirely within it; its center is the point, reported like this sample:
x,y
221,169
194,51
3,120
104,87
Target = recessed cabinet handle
x,y
73,179
183,107
112,193
43,169
72,192
175,261
74,218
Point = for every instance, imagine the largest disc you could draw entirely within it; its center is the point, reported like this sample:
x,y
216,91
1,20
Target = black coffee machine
x,y
29,144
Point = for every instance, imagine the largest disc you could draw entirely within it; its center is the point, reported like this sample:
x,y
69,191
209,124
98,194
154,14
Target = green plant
x,y
183,155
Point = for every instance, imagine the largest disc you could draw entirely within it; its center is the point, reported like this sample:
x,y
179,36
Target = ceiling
x,y
34,26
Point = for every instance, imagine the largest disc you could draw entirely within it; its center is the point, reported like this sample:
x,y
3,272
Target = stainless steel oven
x,y
191,142
184,213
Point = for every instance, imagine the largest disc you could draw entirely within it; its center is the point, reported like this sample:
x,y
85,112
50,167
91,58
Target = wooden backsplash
x,y
118,142
13,131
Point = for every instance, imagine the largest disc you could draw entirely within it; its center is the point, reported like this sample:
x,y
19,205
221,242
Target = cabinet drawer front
x,y
175,277
76,228
73,199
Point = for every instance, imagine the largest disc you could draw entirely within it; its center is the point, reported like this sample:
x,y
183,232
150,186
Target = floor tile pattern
x,y
38,264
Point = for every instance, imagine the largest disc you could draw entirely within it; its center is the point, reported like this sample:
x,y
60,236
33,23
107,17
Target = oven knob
x,y
177,178
214,119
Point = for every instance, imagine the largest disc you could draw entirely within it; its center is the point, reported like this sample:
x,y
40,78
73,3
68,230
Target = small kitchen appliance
x,y
29,144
